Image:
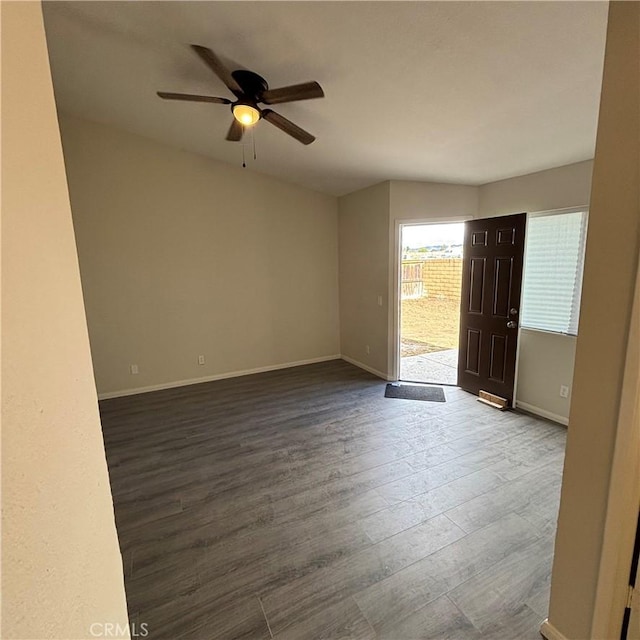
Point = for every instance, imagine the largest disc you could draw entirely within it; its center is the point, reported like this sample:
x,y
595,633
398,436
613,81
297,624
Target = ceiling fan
x,y
250,89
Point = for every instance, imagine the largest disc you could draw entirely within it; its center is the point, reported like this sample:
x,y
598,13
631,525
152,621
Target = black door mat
x,y
415,392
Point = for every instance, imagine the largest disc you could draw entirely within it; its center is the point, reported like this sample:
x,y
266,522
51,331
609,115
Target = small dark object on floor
x,y
415,392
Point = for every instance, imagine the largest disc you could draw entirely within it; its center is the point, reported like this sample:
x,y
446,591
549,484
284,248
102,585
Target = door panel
x,y
491,282
502,288
498,364
476,283
473,352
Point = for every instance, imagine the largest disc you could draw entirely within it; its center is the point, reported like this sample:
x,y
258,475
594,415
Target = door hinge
x,y
630,594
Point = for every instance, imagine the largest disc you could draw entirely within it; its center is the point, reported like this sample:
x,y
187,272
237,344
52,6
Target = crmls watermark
x,y
118,630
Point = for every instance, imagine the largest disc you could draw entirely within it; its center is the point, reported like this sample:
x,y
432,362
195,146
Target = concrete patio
x,y
440,367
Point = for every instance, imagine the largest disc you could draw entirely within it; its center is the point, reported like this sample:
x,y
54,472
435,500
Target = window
x,y
552,281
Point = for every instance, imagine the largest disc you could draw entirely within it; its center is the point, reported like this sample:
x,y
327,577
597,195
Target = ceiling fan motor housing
x,y
253,85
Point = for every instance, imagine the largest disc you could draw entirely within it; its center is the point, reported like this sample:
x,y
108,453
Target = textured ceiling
x,y
463,92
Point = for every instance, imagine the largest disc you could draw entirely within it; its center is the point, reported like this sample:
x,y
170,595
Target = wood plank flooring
x,y
302,504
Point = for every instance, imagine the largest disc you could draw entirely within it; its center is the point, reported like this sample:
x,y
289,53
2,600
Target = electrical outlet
x,y
134,369
564,391
379,301
367,349
200,359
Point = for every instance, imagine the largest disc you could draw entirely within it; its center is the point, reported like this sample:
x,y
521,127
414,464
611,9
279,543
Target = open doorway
x,y
430,285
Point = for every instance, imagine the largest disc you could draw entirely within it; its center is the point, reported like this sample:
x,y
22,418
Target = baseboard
x,y
543,413
219,376
366,367
549,632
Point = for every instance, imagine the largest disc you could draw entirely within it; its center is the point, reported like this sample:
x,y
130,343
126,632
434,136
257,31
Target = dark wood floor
x,y
302,504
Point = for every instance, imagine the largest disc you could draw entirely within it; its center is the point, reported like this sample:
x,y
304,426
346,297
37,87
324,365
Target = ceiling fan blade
x,y
215,64
304,91
235,131
192,98
287,126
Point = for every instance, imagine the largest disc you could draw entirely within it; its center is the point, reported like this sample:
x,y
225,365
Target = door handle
x,y
512,324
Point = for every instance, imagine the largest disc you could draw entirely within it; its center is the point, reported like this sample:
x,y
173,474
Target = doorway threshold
x,y
431,384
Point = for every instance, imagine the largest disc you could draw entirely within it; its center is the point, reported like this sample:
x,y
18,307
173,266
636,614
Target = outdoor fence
x,y
438,278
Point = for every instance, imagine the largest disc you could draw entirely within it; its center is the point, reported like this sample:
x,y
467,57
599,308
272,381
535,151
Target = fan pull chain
x,y
244,144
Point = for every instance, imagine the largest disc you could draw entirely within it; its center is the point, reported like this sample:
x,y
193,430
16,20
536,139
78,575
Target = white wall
x,y
613,243
61,566
183,256
545,361
364,273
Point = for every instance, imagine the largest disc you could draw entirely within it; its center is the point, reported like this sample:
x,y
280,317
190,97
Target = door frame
x,y
624,494
396,280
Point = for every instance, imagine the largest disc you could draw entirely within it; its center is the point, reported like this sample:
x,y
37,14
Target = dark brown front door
x,y
490,304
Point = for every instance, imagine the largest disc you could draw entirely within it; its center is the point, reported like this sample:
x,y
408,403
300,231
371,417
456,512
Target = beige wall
x,y
558,188
364,272
61,566
423,200
184,256
368,260
545,361
613,242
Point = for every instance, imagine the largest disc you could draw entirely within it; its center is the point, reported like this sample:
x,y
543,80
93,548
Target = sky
x,y
415,236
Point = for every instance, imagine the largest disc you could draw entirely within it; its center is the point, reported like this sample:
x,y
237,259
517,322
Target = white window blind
x,y
552,281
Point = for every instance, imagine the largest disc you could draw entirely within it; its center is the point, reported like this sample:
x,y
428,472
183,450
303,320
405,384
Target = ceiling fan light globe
x,y
246,114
